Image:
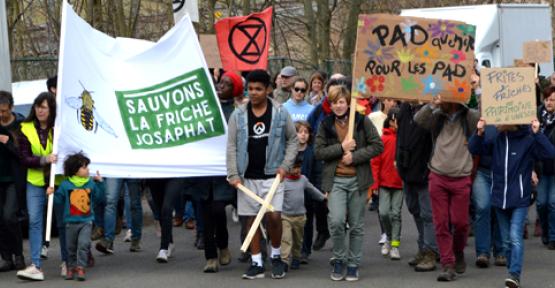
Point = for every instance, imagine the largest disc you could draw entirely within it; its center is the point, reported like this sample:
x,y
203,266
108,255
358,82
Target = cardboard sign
x,y
508,95
520,63
413,58
209,45
537,52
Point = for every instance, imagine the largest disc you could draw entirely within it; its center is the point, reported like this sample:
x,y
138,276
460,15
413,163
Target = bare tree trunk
x,y
211,17
323,22
246,7
349,38
311,31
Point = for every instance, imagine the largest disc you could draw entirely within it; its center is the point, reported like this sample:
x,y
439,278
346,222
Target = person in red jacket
x,y
390,186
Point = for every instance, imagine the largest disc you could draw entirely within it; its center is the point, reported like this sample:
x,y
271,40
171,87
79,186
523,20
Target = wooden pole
x,y
261,214
352,113
255,197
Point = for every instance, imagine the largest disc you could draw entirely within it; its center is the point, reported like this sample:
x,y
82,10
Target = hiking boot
x,y
295,264
19,262
428,262
135,245
211,266
70,274
31,273
482,261
385,249
338,271
80,273
278,267
352,274
254,272
448,274
500,260
98,232
320,241
460,264
416,259
512,282
105,246
225,256
551,245
394,254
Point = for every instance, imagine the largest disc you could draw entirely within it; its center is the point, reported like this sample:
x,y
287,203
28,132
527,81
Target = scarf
x,y
78,181
547,119
293,177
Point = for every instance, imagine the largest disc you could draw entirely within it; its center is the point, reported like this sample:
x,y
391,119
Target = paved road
x,y
126,269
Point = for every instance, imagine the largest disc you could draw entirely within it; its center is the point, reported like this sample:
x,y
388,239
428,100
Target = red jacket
x,y
383,166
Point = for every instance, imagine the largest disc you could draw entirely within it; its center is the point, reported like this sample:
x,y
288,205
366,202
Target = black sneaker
x,y
278,268
254,272
512,282
104,246
338,270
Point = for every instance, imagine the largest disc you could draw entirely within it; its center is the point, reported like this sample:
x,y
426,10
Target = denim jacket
x,y
282,142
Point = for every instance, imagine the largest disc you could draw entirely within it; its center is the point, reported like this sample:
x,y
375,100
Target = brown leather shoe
x,y
482,261
190,224
177,221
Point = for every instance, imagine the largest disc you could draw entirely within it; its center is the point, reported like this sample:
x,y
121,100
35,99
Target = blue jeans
x,y
36,201
127,208
511,225
483,228
107,218
546,206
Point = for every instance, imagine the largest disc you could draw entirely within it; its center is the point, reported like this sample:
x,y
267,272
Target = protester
x,y
297,107
316,88
451,126
286,77
12,182
52,85
77,194
389,184
346,177
261,143
511,183
35,146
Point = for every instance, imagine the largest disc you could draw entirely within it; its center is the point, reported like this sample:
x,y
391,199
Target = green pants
x,y
346,201
391,202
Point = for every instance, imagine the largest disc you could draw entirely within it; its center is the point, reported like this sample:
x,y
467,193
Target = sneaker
x,y
127,237
70,274
63,269
394,254
31,273
383,239
199,243
338,270
135,245
551,245
385,249
295,264
416,259
97,234
234,215
320,241
225,256
512,282
460,264
482,261
171,249
80,273
500,260
162,256
448,274
304,258
278,267
428,262
352,274
254,272
104,246
211,266
44,252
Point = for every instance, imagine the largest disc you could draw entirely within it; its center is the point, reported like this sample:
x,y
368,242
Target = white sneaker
x,y
385,249
44,252
31,273
234,215
162,256
63,269
127,237
171,248
394,254
383,239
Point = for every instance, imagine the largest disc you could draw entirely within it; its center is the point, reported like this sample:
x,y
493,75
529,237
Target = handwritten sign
x,y
209,45
537,52
413,58
508,95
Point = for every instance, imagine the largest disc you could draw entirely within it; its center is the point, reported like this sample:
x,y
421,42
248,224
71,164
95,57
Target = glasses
x,y
302,90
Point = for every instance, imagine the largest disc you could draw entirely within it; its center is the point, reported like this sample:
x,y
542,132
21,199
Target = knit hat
x,y
237,83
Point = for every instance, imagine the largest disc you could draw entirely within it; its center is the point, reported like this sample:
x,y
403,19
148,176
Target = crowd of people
x,y
452,169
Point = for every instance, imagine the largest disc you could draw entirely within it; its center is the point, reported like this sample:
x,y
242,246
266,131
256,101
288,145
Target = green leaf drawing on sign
x,y
409,84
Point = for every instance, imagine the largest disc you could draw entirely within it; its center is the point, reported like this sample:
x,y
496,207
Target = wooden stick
x,y
50,206
260,214
255,197
535,71
352,113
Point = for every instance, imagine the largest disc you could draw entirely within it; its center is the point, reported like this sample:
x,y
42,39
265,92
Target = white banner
x,y
184,7
137,108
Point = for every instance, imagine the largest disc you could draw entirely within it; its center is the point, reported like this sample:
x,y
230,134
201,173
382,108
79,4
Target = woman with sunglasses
x,y
297,106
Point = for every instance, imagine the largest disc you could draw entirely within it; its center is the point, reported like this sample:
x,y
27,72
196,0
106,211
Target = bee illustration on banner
x,y
87,114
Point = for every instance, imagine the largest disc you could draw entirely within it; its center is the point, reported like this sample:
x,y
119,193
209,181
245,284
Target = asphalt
x,y
127,269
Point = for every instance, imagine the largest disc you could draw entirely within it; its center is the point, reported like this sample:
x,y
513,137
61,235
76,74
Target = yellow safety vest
x,y
35,176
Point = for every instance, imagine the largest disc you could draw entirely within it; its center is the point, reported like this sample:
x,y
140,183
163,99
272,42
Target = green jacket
x,y
328,149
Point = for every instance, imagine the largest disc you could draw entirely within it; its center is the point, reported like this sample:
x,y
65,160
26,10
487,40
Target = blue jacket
x,y
513,155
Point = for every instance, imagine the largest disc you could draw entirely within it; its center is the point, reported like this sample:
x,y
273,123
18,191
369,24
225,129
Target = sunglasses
x,y
302,90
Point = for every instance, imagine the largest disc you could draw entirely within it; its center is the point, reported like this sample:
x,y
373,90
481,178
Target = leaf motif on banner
x,y
379,53
457,56
405,55
467,29
409,84
460,89
441,28
376,83
407,29
431,85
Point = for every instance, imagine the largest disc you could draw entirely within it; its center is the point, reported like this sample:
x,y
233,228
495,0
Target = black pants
x,y
215,226
11,241
164,193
